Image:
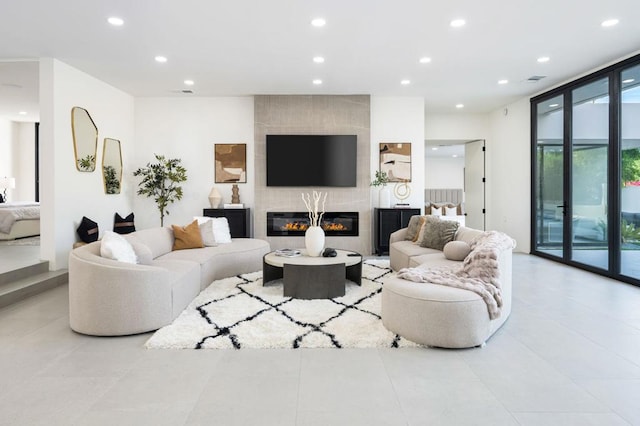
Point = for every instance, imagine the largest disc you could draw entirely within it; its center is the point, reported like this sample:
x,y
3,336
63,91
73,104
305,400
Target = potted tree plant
x,y
160,181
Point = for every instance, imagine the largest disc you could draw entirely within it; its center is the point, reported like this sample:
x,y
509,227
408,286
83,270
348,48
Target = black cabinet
x,y
386,222
239,220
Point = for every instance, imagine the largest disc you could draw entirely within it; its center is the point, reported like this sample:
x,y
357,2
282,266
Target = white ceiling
x,y
266,47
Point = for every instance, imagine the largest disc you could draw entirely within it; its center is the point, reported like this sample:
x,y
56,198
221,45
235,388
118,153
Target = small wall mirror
x,y
111,166
85,139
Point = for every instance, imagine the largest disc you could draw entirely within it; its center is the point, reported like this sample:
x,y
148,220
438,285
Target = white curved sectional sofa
x,y
112,298
438,315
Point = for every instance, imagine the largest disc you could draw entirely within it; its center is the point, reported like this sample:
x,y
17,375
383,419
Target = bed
x,y
19,219
443,201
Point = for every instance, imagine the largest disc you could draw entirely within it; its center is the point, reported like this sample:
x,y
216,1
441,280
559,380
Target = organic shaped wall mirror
x,y
85,139
111,166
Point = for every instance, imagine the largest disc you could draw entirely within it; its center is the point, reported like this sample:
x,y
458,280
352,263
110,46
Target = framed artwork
x,y
395,161
231,162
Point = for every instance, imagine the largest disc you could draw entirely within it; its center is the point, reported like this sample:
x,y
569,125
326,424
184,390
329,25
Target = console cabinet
x,y
386,222
239,220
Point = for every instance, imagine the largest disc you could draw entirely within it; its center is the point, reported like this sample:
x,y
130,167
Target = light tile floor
x,y
569,355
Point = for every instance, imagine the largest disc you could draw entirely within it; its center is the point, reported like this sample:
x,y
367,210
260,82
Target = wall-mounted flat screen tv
x,y
312,160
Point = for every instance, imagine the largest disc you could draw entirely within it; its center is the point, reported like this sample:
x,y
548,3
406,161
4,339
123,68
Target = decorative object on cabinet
x,y
111,166
215,198
235,194
384,196
386,222
314,235
239,220
159,181
402,191
6,183
395,161
230,163
85,139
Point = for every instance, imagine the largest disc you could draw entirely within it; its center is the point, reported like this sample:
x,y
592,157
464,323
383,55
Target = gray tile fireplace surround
x,y
313,114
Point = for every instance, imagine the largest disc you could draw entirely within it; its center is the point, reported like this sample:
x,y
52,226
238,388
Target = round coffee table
x,y
306,277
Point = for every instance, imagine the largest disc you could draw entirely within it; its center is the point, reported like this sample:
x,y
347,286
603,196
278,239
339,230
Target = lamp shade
x,y
7,182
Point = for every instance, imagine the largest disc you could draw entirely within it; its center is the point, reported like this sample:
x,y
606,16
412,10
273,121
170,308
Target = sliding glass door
x,y
548,189
630,172
589,159
586,172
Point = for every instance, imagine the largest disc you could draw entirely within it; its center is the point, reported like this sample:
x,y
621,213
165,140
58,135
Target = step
x,y
22,288
23,272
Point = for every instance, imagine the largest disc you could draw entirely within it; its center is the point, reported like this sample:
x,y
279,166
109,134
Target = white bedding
x,y
10,213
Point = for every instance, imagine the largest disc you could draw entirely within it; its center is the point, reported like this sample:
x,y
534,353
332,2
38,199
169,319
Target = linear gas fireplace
x,y
336,224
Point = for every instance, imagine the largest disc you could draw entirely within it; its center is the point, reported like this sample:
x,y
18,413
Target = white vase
x,y
214,198
384,197
314,240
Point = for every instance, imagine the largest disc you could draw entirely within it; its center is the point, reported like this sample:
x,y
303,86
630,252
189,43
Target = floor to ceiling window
x,y
586,172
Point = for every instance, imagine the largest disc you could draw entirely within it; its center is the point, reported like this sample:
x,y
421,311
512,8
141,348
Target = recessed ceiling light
x,y
189,82
610,22
503,81
425,60
543,59
23,113
435,148
318,22
318,59
553,105
457,23
405,82
161,59
317,82
455,155
629,80
459,106
115,21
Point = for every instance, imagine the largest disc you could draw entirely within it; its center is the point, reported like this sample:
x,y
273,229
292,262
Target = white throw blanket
x,y
478,273
11,212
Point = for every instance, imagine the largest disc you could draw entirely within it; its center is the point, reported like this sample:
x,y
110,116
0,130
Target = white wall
x,y
444,172
24,164
8,135
457,126
65,193
508,164
188,128
399,119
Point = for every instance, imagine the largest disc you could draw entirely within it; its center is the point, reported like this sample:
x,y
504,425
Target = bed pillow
x,y
123,225
115,246
187,237
450,211
436,211
88,230
456,250
438,232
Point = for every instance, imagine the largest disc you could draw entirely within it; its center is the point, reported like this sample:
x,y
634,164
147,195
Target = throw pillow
x,y
438,232
413,227
88,230
436,211
206,232
450,211
187,237
221,231
143,252
420,235
116,247
456,250
123,225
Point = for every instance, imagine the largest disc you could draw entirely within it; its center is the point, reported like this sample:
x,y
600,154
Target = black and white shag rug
x,y
238,312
